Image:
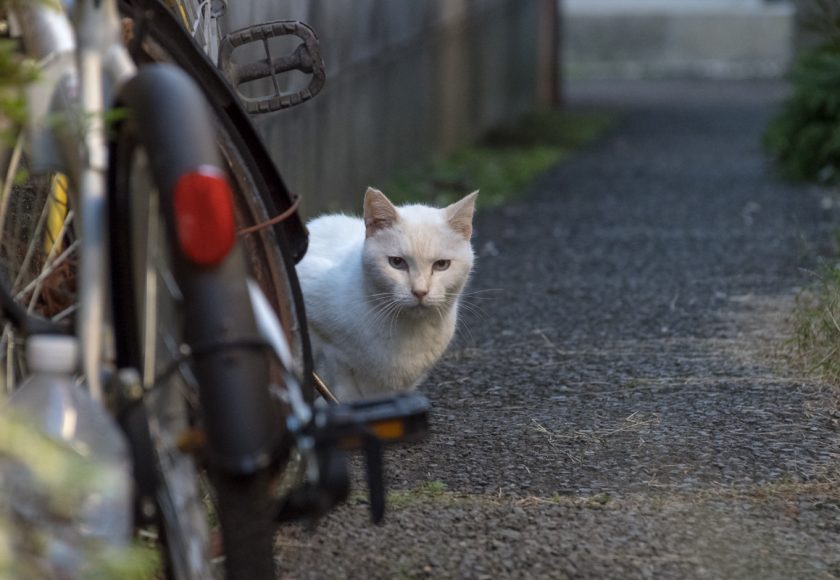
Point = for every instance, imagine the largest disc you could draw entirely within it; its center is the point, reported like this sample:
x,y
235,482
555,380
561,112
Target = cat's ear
x,y
380,213
460,215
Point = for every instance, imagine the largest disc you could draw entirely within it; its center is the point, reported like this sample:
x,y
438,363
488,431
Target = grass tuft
x,y
430,491
817,325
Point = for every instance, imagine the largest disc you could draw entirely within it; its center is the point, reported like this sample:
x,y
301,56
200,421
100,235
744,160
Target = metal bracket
x,y
305,58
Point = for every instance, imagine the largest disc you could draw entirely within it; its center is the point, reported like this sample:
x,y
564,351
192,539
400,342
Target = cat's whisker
x,y
394,314
376,306
483,291
440,312
478,295
465,320
482,298
382,300
465,327
389,314
472,309
383,312
389,294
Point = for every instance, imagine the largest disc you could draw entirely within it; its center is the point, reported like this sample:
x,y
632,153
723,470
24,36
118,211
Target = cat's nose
x,y
420,294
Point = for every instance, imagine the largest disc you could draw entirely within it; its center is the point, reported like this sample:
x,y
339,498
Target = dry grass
x,y
781,492
635,422
816,322
428,492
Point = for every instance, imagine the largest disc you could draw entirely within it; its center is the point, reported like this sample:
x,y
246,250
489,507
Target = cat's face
x,y
416,257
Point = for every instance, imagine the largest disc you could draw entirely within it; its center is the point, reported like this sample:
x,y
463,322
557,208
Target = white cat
x,y
382,293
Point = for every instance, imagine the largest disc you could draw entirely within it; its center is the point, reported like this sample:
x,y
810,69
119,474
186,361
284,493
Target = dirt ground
x,y
619,403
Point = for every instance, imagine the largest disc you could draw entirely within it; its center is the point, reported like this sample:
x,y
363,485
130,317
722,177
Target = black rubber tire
x,y
239,501
208,311
260,190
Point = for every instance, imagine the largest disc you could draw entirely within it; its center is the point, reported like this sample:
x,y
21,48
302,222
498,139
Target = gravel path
x,y
622,409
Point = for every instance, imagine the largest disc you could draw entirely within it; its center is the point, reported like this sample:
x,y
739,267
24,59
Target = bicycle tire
x,y
259,187
155,288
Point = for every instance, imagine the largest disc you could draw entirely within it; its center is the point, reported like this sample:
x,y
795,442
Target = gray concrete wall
x,y
666,38
406,80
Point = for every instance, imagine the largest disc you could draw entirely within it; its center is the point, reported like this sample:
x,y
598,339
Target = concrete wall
x,y
406,80
656,38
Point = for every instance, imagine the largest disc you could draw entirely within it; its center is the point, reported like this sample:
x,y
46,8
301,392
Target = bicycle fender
x,y
241,419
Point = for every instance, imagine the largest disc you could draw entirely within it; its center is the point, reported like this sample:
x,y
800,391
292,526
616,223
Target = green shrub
x,y
804,137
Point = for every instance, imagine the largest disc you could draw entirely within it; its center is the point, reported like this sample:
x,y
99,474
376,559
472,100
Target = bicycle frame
x,y
201,18
80,75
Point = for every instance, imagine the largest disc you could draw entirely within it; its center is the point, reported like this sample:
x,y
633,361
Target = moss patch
x,y
503,162
431,491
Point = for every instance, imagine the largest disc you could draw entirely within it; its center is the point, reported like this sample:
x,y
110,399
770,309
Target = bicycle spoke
x,y
60,259
9,381
151,297
8,182
34,249
171,285
51,262
65,313
30,251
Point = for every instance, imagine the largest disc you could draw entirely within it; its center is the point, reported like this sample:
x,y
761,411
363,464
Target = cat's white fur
x,y
373,329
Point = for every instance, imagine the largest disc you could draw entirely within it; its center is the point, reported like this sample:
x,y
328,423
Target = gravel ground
x,y
621,406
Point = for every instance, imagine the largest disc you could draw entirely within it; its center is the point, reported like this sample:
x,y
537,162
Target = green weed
x,y
817,325
430,491
502,163
803,138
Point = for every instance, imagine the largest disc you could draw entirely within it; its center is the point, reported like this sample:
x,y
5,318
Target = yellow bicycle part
x,y
56,213
176,4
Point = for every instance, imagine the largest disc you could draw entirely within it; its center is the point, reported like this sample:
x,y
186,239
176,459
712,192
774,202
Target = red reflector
x,y
204,217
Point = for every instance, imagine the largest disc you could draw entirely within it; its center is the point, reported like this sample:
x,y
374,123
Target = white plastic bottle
x,y
65,411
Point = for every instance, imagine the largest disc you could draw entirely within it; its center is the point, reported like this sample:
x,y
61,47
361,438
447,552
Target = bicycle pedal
x,y
365,426
306,58
400,418
375,472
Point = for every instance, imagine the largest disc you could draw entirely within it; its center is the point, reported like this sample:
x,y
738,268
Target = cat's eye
x,y
398,263
441,265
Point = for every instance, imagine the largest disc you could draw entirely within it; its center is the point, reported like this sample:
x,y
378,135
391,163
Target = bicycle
x,y
201,18
190,359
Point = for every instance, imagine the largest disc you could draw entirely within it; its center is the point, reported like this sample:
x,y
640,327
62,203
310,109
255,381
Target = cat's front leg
x,y
336,374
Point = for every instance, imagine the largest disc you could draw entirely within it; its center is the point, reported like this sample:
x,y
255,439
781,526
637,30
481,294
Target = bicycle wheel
x,y
259,191
190,330
38,256
259,194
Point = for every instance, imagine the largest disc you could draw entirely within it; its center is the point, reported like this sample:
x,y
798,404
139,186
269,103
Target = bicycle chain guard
x,y
306,58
